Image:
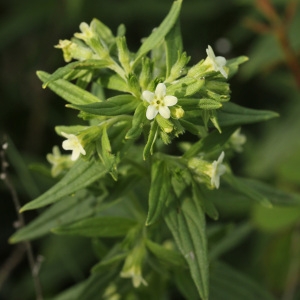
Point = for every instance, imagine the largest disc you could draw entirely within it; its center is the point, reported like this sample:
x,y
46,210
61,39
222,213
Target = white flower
x,y
73,143
218,169
237,140
218,62
136,276
159,102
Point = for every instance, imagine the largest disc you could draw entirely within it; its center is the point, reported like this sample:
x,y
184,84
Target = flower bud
x,y
176,112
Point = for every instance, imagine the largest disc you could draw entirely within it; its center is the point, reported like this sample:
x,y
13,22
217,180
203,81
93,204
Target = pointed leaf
x,y
88,64
73,208
159,33
159,191
214,141
81,175
118,105
104,226
67,90
227,283
187,226
233,114
165,255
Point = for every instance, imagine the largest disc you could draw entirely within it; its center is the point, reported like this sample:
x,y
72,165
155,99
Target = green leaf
x,y
104,226
233,114
68,91
73,208
233,64
113,82
114,256
81,175
227,283
207,204
159,191
138,121
241,186
212,142
173,42
187,226
165,255
89,64
159,33
118,105
105,153
148,150
193,104
276,218
275,196
230,240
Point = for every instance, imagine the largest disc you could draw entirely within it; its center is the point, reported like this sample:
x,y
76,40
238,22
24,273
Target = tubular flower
x,y
73,143
159,102
218,62
217,170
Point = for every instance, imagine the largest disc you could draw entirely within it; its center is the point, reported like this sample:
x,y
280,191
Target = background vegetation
x,y
270,80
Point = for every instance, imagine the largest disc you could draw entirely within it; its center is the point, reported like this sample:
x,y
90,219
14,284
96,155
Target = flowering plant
x,y
151,161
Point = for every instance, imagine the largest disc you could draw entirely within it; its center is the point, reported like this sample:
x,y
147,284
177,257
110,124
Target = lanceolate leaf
x,y
104,226
165,255
73,208
118,105
159,191
81,175
159,33
173,43
89,64
233,114
212,142
227,283
68,91
187,225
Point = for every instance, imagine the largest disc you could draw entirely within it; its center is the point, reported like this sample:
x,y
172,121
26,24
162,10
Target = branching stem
x,y
34,264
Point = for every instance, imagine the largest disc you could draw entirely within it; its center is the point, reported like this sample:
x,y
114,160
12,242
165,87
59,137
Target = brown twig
x,y
34,264
279,27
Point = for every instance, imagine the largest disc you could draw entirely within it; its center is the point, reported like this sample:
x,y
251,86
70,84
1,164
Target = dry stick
x,y
34,265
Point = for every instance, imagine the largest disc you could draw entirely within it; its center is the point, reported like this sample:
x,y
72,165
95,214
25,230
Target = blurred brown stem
x,y
279,27
34,265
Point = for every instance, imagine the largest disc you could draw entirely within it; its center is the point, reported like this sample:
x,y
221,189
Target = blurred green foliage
x,y
28,29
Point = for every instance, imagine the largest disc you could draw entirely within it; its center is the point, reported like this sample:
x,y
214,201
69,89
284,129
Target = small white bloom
x,y
73,143
237,140
218,62
159,102
86,32
136,276
218,169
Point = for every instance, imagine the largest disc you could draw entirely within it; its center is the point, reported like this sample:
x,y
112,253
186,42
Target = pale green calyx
x,y
159,102
73,143
218,62
207,172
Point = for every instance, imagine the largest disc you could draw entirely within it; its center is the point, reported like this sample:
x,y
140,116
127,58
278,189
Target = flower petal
x,y
210,53
151,112
221,61
148,96
160,90
75,154
170,100
164,112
